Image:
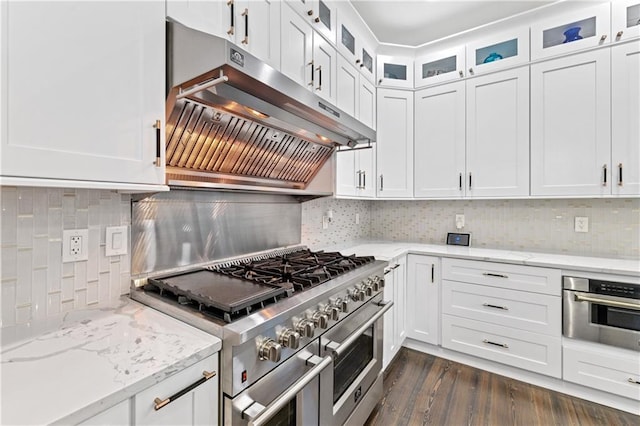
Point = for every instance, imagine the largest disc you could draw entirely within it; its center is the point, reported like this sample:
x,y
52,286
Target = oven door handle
x,y
279,403
339,348
608,302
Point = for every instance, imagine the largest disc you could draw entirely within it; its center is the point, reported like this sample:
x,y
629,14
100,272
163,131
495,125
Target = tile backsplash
x,y
527,225
34,281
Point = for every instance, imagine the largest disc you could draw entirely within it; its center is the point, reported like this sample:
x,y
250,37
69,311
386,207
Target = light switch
x,y
116,240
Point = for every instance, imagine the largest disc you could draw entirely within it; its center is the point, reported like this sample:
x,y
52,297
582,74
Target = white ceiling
x,y
417,22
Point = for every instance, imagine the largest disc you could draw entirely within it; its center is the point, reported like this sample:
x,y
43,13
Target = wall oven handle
x,y
338,349
608,302
278,403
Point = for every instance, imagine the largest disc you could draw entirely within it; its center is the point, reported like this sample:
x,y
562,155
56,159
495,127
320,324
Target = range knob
x,y
381,281
343,304
357,295
270,350
289,338
305,327
332,311
368,290
375,285
320,319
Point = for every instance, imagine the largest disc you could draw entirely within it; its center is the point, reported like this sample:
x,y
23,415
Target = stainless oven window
x,y
615,317
286,416
353,362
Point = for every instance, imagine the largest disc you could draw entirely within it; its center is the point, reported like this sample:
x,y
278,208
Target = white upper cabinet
x,y
203,15
355,172
438,67
571,125
498,51
367,107
355,42
625,119
571,31
307,58
439,147
355,95
321,14
395,71
395,143
625,19
83,91
258,29
498,134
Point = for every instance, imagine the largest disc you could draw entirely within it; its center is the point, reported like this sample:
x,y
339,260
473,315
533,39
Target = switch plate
x,y
325,222
581,224
75,245
357,218
459,221
116,240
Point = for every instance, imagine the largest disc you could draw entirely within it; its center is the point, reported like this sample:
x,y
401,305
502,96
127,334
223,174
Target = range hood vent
x,y
234,122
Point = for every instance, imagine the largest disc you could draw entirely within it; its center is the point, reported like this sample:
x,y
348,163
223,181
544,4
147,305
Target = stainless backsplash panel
x,y
179,228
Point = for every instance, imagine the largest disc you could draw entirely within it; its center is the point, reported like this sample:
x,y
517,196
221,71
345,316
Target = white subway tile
x,y
25,201
55,198
25,231
23,289
104,289
40,212
39,294
80,300
40,252
9,209
54,269
8,300
67,289
125,283
80,276
23,314
114,281
53,304
94,254
55,223
9,258
92,292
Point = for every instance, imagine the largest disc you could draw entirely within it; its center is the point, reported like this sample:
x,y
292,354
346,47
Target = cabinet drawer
x,y
514,277
609,369
522,349
539,313
198,406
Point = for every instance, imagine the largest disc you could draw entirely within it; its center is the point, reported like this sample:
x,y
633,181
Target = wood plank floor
x,y
421,389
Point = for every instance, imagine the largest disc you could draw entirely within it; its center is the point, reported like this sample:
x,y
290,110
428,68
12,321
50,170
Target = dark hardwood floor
x,y
421,389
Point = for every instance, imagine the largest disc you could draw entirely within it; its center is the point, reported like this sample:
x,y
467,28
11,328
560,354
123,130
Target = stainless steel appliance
x,y
301,330
602,311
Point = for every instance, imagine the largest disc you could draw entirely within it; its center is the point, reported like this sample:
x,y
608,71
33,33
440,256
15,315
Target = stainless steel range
x,y
301,330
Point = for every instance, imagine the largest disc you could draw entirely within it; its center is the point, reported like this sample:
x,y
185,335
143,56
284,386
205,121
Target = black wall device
x,y
456,239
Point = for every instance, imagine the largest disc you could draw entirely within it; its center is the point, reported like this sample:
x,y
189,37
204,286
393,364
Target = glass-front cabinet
x,y
321,14
439,67
625,19
395,71
498,51
572,31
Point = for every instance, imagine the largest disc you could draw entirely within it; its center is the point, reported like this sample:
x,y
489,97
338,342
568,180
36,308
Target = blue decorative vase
x,y
492,57
572,34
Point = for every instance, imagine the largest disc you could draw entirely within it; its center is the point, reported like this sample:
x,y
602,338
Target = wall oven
x,y
602,311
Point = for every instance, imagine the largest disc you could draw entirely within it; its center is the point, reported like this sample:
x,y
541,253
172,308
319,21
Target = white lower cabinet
x,y
117,415
395,320
198,406
423,298
613,370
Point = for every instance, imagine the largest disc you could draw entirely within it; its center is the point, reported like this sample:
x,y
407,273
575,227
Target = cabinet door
x,y
205,16
625,19
423,298
572,31
440,141
324,69
400,299
117,415
570,125
395,71
498,134
347,81
346,176
366,103
625,118
389,347
498,51
395,143
366,60
296,52
82,89
258,23
324,19
439,67
365,163
199,406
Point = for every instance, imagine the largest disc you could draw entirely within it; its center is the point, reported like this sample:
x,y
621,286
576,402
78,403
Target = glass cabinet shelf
x,y
570,32
395,71
501,50
625,19
496,52
439,66
633,16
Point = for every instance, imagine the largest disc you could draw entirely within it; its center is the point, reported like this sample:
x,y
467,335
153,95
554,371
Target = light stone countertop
x,y
388,250
74,366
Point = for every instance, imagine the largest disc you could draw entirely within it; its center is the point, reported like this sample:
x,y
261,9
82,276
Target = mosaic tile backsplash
x,y
35,283
527,225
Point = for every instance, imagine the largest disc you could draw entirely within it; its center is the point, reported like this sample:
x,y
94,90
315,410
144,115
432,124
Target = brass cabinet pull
x,y
156,126
620,174
604,175
159,403
603,38
233,12
319,69
502,345
310,12
246,26
433,272
491,274
381,182
489,305
460,182
632,380
461,74
619,34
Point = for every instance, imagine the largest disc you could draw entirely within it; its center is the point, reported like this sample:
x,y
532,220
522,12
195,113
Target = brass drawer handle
x,y
489,274
159,403
502,345
489,305
632,380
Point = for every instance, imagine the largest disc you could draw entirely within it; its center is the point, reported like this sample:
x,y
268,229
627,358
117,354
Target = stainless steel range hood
x,y
234,122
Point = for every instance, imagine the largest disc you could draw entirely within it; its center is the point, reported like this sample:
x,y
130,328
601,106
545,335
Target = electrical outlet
x,y
581,224
75,245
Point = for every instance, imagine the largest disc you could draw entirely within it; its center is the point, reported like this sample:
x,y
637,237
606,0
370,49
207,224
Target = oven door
x,y
600,318
356,347
287,396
